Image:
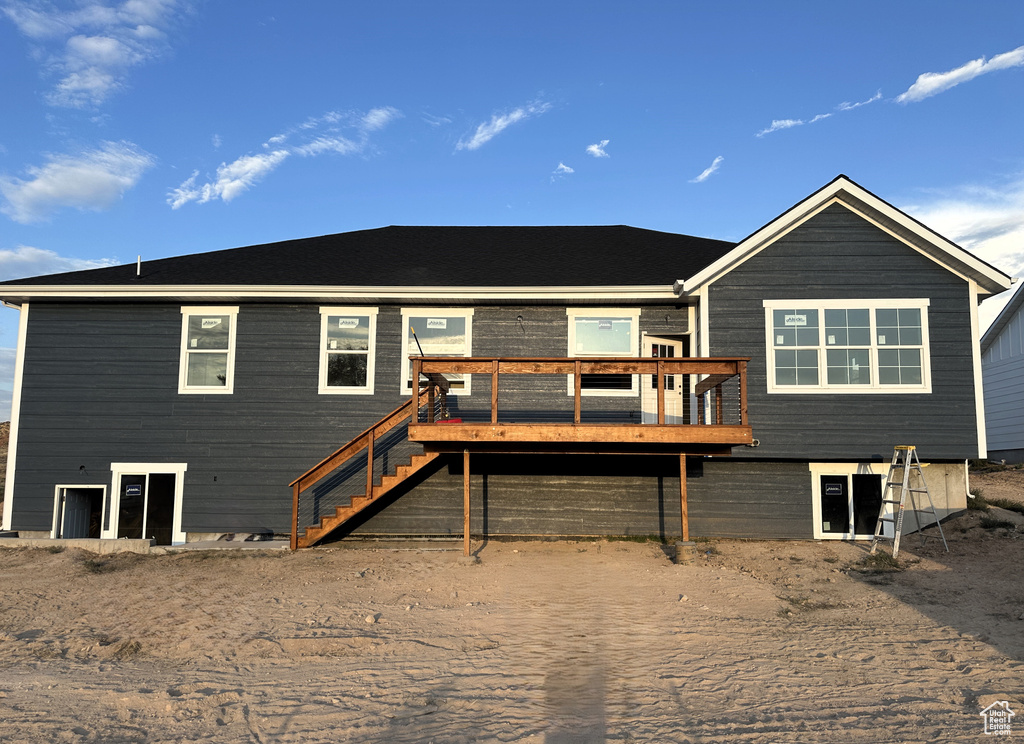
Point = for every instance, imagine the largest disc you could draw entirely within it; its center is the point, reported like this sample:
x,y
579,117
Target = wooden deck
x,y
719,421
715,422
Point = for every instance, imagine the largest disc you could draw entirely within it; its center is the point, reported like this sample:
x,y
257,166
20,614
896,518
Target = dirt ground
x,y
539,642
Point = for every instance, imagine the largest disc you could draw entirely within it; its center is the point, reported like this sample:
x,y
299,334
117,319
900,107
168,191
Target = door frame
x,y
112,505
846,469
58,504
645,392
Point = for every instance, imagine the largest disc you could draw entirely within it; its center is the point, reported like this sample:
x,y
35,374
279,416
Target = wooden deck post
x,y
465,502
294,542
577,390
369,466
684,513
661,393
494,391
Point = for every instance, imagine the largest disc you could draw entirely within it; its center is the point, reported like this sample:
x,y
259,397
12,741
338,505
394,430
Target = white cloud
x,y
334,132
597,150
847,106
378,118
93,180
25,261
931,83
500,122
715,164
561,171
778,124
92,47
989,222
232,179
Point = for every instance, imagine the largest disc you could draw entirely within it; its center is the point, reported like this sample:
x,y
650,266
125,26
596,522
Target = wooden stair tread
x,y
329,523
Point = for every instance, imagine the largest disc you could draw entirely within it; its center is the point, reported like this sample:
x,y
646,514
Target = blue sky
x,y
164,127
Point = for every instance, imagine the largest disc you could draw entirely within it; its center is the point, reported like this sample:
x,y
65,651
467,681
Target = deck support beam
x,y
465,502
684,515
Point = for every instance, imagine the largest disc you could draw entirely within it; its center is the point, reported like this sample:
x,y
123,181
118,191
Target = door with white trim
x,y
145,502
677,387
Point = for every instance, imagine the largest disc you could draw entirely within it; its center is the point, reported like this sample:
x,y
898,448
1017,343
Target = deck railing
x,y
720,384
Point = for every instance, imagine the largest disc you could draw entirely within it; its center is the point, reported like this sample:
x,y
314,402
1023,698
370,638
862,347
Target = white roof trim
x,y
835,191
23,292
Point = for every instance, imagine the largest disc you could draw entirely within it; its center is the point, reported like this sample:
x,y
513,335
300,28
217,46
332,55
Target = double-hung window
x,y
604,332
437,332
347,339
847,346
207,350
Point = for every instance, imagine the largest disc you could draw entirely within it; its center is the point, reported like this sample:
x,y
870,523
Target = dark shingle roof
x,y
429,257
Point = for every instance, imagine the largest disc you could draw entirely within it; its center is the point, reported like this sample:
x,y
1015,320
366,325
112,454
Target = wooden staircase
x,y
430,395
342,514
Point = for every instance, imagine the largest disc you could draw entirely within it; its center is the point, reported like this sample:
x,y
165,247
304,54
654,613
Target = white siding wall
x,y
1003,375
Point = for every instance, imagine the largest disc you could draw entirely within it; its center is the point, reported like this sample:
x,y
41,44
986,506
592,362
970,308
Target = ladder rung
x,y
886,519
890,501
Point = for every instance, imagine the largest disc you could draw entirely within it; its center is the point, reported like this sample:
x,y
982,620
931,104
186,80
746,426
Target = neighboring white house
x,y
1002,364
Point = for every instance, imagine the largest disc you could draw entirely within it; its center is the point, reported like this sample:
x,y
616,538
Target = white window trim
x,y
229,386
371,351
618,312
875,387
118,469
447,312
847,469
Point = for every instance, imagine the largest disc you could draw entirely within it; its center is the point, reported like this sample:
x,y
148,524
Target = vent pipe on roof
x,y
138,266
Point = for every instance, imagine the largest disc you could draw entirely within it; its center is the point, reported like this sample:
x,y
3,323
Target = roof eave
x,y
218,293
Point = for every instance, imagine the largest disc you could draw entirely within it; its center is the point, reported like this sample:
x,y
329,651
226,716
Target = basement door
x,y
78,511
846,505
145,502
677,387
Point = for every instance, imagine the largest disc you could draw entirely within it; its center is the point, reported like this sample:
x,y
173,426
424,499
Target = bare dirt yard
x,y
539,642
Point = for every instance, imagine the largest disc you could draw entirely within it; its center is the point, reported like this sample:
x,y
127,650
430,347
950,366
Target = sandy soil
x,y
539,642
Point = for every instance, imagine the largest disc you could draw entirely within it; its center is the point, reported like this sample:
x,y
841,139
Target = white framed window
x,y
348,339
847,346
604,332
207,350
437,332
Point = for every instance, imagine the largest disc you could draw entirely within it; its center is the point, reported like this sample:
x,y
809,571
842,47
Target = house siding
x,y
1003,375
835,255
101,386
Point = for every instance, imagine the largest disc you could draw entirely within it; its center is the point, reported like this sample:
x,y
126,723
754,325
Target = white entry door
x,y
677,392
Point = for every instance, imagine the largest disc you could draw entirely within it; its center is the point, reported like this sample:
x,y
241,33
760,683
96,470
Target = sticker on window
x,y
437,322
212,322
348,322
604,325
796,320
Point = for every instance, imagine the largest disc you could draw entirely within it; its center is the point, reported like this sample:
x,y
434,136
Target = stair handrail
x,y
354,446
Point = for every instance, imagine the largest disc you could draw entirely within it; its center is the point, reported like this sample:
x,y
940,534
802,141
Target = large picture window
x,y
848,346
347,339
207,349
437,332
603,332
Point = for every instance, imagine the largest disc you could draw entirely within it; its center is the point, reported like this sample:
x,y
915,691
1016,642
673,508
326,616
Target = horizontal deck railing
x,y
719,384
